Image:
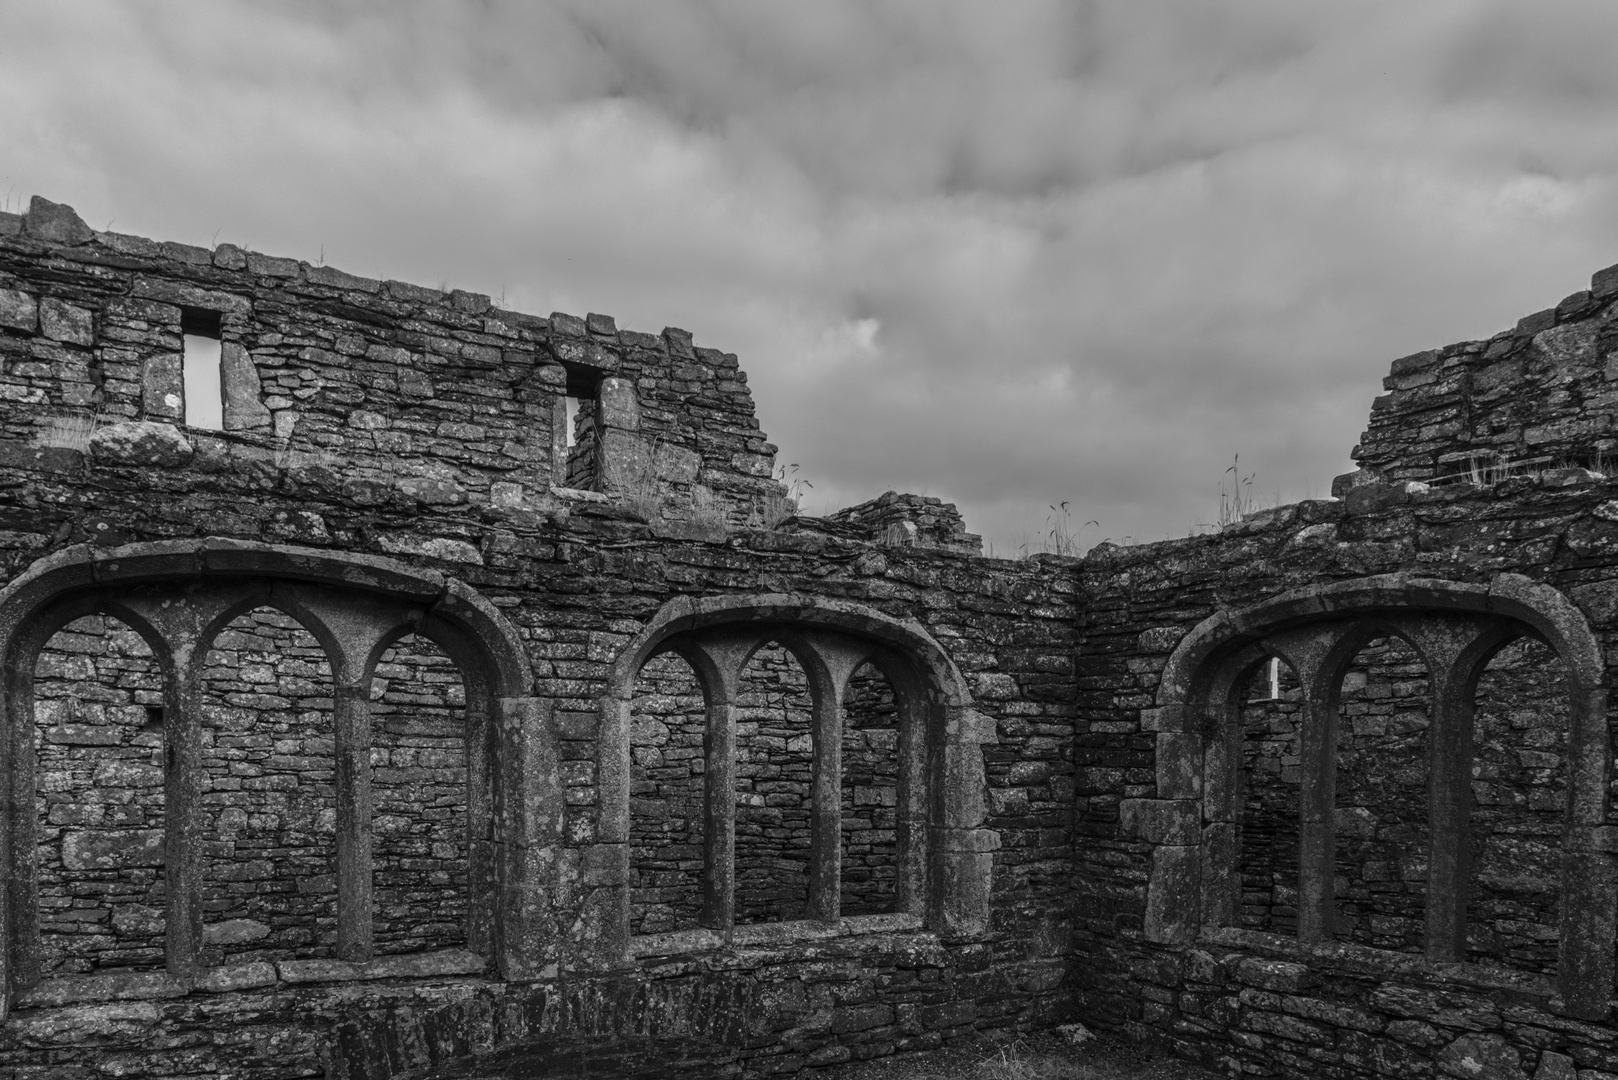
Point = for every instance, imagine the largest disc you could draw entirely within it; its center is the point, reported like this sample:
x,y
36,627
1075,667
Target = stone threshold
x,y
264,974
1381,963
767,935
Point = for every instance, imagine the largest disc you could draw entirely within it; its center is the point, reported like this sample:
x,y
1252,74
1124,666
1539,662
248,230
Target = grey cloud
x,y
1008,254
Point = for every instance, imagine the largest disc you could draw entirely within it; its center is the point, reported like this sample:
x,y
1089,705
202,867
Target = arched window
x,y
238,750
1404,704
842,774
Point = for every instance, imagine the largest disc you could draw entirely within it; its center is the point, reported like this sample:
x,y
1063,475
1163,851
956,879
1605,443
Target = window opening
x,y
269,886
774,783
667,798
1382,813
1272,725
1519,802
204,385
870,795
582,429
99,800
572,405
419,799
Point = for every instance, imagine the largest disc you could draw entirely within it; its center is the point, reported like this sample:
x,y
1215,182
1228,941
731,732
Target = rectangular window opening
x,y
582,399
204,386
572,419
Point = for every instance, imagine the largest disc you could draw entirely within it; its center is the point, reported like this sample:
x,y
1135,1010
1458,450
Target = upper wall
x,y
440,393
1543,393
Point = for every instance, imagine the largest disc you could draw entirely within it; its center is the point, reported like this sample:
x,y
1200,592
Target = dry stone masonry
x,y
462,695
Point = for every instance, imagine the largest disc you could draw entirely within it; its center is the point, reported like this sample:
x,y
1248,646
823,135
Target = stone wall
x,y
99,798
444,821
1536,396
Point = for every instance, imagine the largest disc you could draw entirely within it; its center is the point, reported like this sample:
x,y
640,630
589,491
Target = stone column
x,y
526,830
829,661
352,722
1316,655
1454,650
718,659
719,818
183,771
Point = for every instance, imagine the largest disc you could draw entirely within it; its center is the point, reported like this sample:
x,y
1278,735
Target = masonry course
x,y
425,814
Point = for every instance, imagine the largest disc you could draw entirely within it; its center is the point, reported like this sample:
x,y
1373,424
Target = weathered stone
x,y
243,395
55,223
163,387
1554,1066
234,932
111,848
139,442
18,310
1481,1057
62,322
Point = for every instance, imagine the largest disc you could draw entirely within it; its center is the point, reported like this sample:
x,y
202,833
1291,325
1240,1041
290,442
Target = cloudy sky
x,y
1010,254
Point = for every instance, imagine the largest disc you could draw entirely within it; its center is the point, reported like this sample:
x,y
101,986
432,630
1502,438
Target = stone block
x,y
1159,821
676,463
1554,1066
1280,975
570,325
234,932
113,1026
224,980
55,223
162,387
1481,1057
18,310
239,382
336,279
961,893
139,442
1179,765
269,266
1172,895
112,849
64,322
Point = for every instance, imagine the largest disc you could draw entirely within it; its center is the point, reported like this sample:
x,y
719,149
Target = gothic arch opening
x,y
420,783
667,797
1383,836
1519,807
1271,724
99,799
775,772
870,794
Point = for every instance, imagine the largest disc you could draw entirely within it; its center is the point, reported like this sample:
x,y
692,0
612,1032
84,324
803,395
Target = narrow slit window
x,y
204,392
572,419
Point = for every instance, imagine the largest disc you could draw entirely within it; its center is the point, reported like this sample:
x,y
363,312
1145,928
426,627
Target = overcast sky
x,y
1005,253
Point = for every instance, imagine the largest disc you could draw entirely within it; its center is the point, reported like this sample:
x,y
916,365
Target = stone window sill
x,y
1380,962
154,985
768,935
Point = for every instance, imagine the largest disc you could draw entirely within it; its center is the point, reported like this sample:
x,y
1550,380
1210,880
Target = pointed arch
x,y
945,853
1457,627
177,595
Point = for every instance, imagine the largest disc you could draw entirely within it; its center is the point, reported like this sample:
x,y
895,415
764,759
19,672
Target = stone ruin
x,y
452,692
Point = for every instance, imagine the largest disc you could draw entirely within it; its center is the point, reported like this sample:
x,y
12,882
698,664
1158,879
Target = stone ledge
x,y
157,985
768,935
1380,963
407,966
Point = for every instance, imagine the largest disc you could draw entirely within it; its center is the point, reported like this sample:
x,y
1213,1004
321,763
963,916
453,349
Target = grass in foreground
x,y
1042,1056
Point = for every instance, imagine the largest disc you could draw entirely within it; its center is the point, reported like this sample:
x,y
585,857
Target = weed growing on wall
x,y
1236,498
69,430
769,511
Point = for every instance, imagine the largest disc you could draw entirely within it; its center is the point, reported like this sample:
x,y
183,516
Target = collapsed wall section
x,y
1540,395
394,390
